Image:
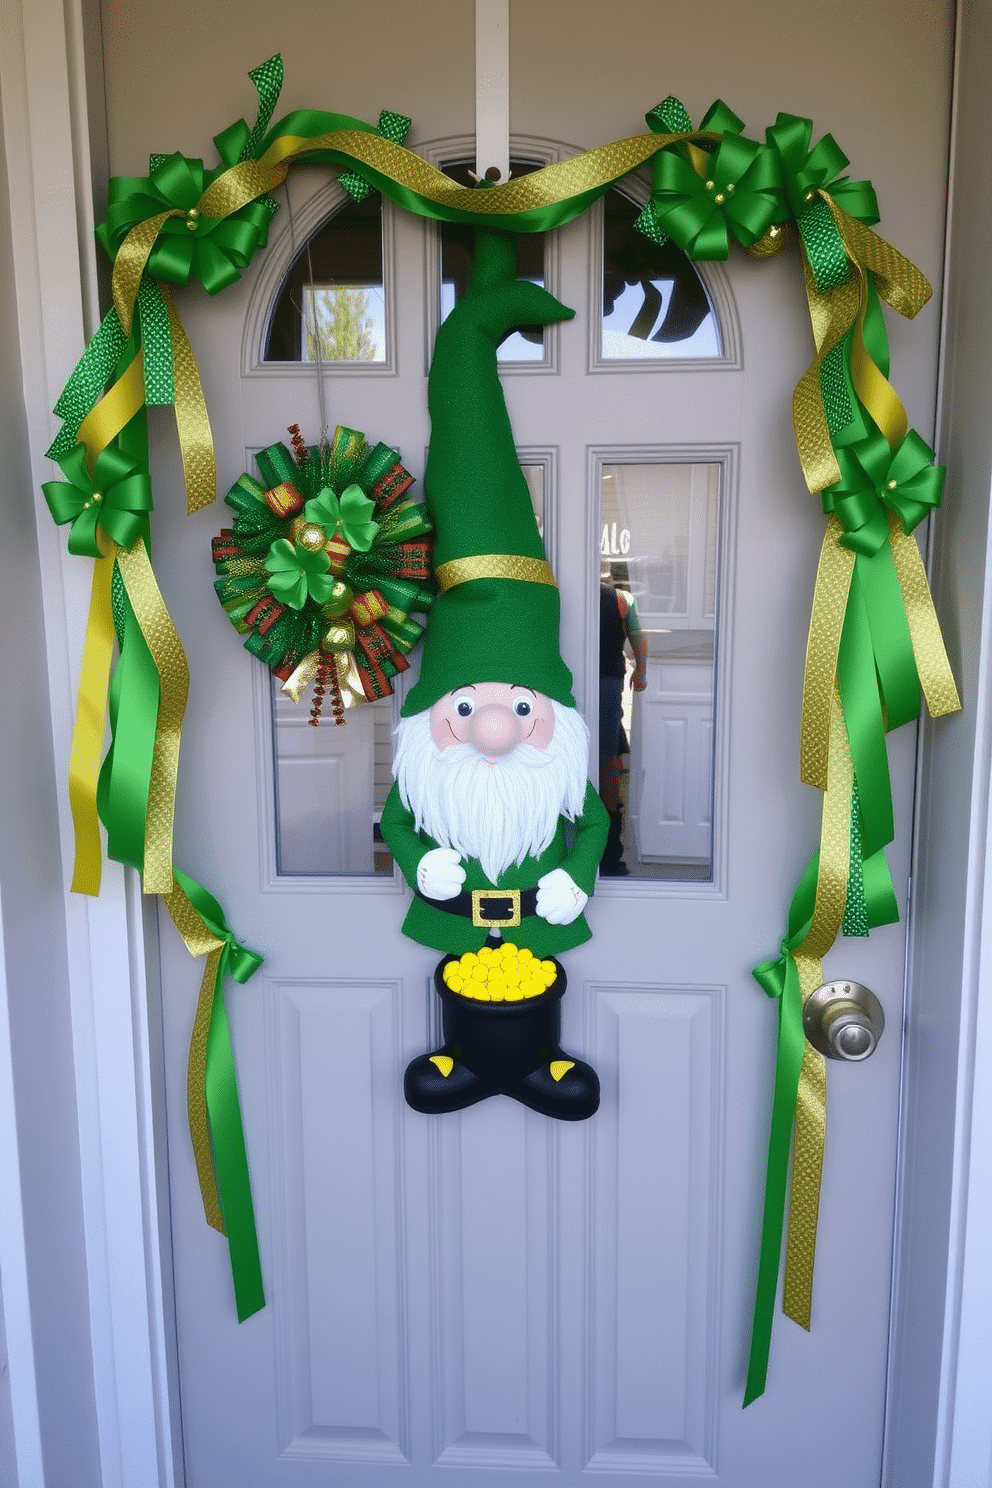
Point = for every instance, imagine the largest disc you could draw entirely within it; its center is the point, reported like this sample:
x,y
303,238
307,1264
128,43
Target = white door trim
x,y
122,1170
45,107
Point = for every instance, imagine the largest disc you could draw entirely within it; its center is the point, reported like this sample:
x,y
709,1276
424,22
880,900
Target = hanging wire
x,y
324,442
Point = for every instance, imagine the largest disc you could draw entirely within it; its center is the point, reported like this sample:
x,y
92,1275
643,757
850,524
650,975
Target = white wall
x,y
942,1400
46,1201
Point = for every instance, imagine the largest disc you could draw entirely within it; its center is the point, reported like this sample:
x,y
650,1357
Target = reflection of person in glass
x,y
618,624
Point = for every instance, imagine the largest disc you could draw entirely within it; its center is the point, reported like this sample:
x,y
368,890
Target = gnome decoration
x,y
492,818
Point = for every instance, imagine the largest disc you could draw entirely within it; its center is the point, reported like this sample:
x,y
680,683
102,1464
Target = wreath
x,y
875,647
323,566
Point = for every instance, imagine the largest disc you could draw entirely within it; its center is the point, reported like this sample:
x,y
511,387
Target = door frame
x,y
113,1120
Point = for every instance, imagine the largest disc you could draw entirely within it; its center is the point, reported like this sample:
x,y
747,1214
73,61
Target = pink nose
x,y
493,730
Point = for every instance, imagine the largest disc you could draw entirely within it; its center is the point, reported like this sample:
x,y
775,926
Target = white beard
x,y
498,813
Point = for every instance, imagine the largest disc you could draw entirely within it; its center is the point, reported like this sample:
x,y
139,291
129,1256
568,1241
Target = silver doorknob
x,y
843,1020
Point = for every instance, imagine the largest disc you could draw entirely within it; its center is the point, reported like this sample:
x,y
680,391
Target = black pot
x,y
501,1042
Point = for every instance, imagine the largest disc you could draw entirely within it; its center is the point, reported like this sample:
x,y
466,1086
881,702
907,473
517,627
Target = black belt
x,y
488,909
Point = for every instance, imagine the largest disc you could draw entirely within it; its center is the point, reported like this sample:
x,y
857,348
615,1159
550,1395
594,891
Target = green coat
x,y
456,934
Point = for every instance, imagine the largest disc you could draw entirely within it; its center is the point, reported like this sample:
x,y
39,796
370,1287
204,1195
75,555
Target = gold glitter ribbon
x,y
936,677
170,662
192,422
199,942
87,734
494,566
811,1111
833,581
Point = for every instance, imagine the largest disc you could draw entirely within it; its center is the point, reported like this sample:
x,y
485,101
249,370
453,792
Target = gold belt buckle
x,y
495,922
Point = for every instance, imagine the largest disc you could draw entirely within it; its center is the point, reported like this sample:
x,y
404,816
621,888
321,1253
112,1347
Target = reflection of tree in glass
x,y
340,317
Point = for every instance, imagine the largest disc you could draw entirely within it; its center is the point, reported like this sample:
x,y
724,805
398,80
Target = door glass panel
x,y
654,302
333,298
331,784
528,344
658,587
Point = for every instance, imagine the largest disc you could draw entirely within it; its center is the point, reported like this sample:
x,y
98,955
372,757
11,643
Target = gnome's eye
x,y
522,708
465,707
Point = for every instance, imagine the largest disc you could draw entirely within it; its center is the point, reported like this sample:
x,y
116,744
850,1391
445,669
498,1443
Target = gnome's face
x,y
493,718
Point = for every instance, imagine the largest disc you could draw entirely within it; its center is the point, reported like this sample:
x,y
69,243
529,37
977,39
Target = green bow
x,y
117,497
350,514
211,250
734,192
873,479
297,573
806,171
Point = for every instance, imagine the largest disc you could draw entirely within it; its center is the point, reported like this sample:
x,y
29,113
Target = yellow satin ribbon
x,y
116,408
169,657
811,1112
87,735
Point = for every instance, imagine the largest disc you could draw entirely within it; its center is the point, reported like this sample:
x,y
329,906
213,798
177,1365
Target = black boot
x,y
612,864
436,1083
509,1048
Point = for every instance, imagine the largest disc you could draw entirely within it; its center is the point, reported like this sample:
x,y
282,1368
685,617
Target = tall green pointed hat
x,y
497,616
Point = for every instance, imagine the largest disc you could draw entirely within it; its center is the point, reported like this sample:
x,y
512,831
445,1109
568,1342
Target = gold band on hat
x,y
494,566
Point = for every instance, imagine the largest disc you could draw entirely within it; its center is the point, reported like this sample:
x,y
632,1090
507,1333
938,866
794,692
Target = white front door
x,y
491,1290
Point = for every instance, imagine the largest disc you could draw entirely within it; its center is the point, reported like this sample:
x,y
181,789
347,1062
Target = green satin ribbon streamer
x,y
865,723
122,794
891,642
224,1109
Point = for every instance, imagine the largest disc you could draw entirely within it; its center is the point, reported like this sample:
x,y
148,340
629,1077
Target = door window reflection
x,y
331,305
658,585
655,304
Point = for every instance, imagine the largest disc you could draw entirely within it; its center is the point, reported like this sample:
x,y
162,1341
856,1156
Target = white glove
x,y
559,898
440,874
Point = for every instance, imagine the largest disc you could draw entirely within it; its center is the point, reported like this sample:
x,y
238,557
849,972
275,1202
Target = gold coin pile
x,y
508,974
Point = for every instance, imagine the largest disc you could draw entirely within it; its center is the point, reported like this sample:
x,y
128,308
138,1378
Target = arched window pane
x,y
655,304
528,343
333,296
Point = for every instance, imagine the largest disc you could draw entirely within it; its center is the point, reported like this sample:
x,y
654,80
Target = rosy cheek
x,y
446,725
544,727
